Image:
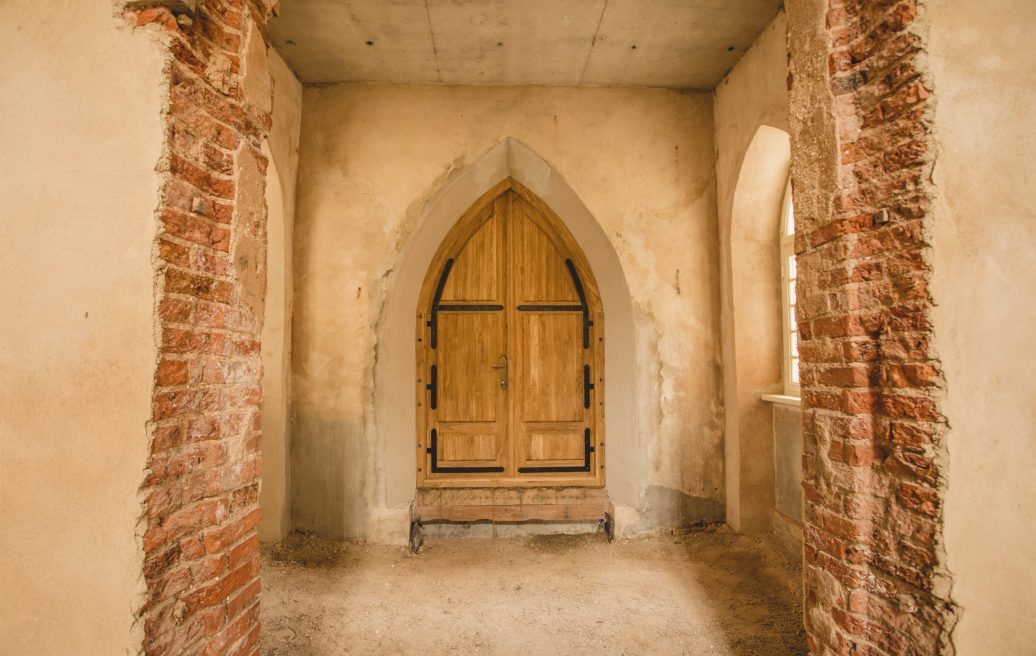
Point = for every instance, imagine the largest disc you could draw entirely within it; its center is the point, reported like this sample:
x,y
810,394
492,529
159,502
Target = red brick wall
x,y
873,465
201,489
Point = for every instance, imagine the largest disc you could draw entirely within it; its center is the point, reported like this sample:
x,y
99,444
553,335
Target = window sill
x,y
782,399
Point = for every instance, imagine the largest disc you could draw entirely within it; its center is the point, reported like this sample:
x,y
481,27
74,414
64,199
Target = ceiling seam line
x,y
593,42
431,35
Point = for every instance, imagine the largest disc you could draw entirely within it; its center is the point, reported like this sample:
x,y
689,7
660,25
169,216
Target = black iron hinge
x,y
433,387
587,386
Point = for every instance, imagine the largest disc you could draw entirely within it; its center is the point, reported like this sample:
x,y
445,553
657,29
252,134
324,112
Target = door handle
x,y
503,370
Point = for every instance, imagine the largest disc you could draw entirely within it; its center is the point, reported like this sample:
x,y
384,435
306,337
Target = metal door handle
x,y
503,370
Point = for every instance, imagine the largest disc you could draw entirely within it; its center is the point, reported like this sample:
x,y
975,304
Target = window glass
x,y
789,295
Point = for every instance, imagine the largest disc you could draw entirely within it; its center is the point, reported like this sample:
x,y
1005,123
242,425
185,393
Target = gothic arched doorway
x,y
510,352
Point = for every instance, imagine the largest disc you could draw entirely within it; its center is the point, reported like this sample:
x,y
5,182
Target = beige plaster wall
x,y
984,283
753,158
283,151
787,434
373,160
787,456
80,101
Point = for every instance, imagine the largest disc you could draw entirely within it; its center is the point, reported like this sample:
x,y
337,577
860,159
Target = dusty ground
x,y
700,593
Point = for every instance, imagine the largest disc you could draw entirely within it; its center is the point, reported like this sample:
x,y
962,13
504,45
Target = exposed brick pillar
x,y
873,463
201,489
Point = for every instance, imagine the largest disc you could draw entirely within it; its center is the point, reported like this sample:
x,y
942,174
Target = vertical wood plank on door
x,y
469,343
550,345
478,269
537,266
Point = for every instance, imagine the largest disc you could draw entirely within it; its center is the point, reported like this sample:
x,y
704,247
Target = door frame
x,y
458,235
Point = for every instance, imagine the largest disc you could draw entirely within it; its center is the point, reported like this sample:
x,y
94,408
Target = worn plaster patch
x,y
250,235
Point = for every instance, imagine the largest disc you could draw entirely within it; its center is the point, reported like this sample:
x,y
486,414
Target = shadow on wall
x,y
666,507
329,499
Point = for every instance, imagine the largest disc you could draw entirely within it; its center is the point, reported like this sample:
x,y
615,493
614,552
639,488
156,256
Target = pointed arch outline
x,y
394,389
583,298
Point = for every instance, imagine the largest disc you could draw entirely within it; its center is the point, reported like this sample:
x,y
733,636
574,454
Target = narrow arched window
x,y
789,274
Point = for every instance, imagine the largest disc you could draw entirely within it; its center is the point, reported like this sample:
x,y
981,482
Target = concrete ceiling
x,y
658,43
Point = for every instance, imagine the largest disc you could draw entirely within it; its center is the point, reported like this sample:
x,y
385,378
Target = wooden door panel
x,y
468,447
556,449
551,373
554,445
538,267
469,344
467,450
477,274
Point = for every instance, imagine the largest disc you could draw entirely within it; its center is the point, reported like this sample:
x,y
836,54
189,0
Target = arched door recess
x,y
510,352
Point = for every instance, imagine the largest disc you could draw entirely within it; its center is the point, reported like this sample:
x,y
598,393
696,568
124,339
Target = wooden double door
x,y
510,350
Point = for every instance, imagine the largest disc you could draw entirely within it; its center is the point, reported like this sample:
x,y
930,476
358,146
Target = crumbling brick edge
x,y
874,455
198,528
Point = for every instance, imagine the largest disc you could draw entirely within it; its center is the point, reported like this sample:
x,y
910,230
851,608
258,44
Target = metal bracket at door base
x,y
417,536
416,533
608,524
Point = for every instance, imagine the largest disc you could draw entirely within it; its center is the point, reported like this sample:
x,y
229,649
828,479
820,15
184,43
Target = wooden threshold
x,y
511,505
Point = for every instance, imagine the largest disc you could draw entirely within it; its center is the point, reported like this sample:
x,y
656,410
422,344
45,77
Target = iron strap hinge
x,y
587,386
433,387
433,451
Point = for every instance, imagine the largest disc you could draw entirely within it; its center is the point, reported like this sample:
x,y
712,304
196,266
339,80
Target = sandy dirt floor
x,y
698,593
